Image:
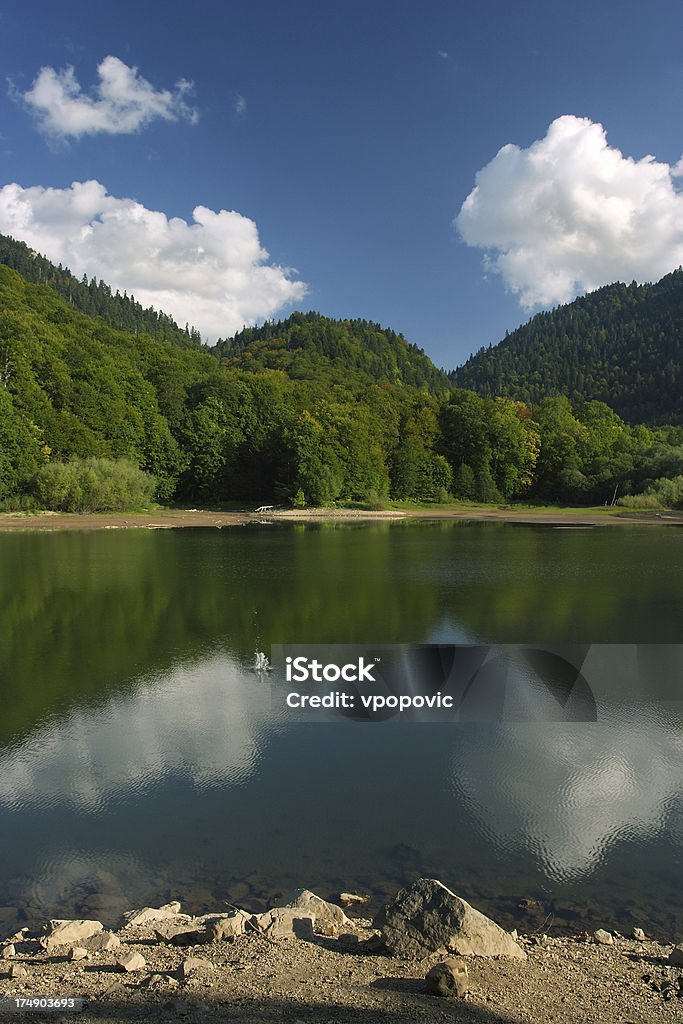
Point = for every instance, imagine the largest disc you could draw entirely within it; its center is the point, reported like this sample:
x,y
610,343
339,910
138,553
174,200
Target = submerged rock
x,y
429,918
448,978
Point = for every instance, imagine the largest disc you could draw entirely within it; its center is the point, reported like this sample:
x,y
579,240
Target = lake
x,y
143,759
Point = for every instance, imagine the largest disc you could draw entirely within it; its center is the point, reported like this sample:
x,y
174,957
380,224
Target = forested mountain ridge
x,y
621,344
95,298
303,342
86,411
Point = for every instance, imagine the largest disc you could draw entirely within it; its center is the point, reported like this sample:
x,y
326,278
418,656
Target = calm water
x,y
141,758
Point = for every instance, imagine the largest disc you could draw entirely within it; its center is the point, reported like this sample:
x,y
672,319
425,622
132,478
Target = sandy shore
x,y
165,519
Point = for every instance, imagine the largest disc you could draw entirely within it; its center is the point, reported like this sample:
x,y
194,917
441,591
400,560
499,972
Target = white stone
x,y
131,962
65,933
135,918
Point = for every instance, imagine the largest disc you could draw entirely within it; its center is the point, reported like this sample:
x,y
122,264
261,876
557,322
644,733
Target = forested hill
x,y
622,345
95,298
306,342
96,418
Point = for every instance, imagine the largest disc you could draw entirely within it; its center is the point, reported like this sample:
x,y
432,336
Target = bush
x,y
663,493
640,501
19,503
92,485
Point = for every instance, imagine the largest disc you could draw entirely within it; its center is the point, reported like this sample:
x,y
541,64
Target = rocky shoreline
x,y
428,955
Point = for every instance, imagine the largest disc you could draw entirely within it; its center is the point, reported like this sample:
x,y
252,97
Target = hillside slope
x,y
95,298
306,342
622,344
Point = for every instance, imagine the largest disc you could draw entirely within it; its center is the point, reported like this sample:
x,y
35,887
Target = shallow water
x,y
141,758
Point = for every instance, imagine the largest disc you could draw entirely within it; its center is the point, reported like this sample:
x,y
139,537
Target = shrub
x,y
92,485
663,493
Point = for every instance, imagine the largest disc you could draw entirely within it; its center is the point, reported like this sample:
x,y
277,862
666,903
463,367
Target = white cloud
x,y
123,101
240,105
211,273
571,213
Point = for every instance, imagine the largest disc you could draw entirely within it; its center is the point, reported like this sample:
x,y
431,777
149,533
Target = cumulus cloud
x,y
572,213
122,102
212,273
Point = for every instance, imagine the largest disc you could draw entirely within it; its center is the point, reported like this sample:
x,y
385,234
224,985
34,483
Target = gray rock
x,y
8,952
676,956
131,962
329,919
66,933
77,953
604,938
192,964
135,918
101,942
429,918
176,933
448,978
286,923
228,927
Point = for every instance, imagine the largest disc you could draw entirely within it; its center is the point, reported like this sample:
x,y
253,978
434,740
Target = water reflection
x,y
567,793
207,722
140,758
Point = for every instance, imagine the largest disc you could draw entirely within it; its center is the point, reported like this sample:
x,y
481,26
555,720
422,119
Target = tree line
x,y
310,411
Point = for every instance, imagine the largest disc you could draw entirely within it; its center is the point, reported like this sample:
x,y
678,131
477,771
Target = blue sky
x,y
346,138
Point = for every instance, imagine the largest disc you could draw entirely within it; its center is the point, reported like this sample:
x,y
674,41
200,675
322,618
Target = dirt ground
x,y
331,981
